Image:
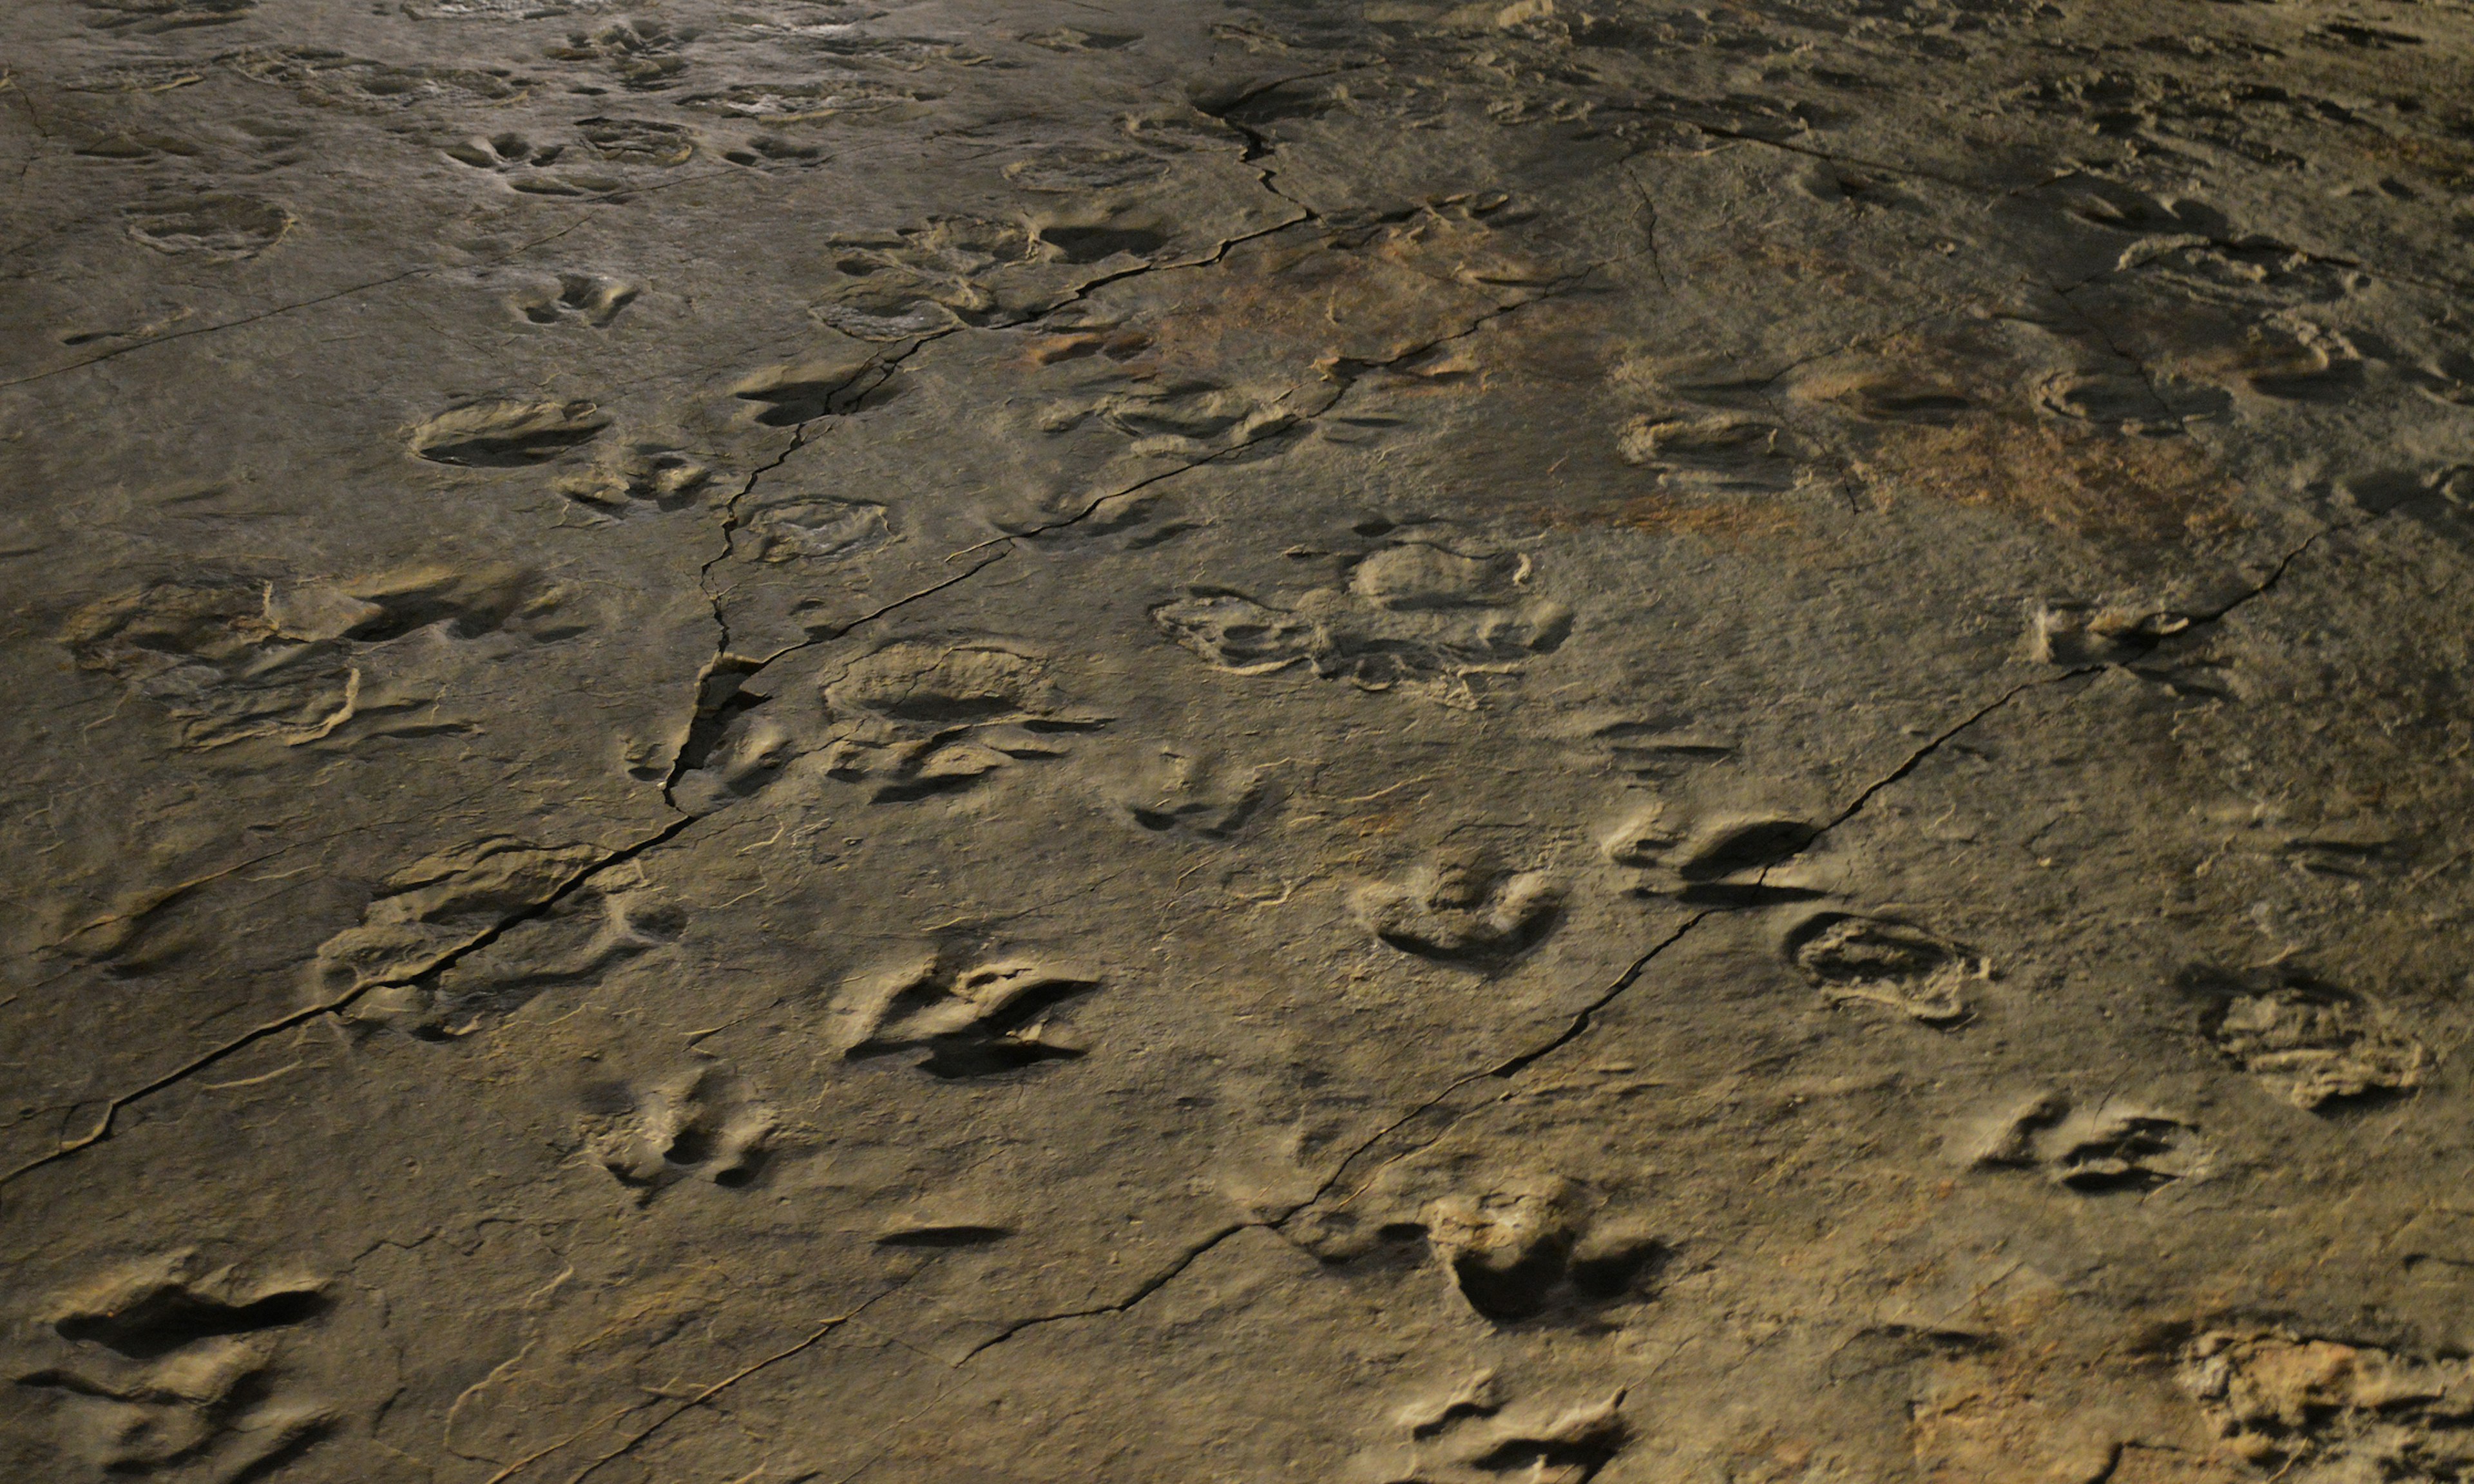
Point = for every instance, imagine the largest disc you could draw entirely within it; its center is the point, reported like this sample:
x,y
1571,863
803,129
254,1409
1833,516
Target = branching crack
x,y
2137,363
1649,208
1211,259
1260,144
718,681
732,670
9,84
721,676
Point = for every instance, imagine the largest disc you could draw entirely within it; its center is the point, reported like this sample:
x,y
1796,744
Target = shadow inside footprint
x,y
1463,912
166,1317
979,1023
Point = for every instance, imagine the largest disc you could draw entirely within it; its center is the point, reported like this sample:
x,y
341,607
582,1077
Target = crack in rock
x,y
106,1122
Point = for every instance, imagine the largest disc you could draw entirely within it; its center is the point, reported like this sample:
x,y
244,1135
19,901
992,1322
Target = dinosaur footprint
x,y
683,1127
171,1369
1475,1436
1463,910
588,298
994,1017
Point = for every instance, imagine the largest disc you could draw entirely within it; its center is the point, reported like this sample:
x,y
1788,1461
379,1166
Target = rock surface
x,y
1062,740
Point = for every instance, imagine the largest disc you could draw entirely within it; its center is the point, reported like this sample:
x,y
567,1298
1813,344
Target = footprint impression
x,y
220,226
2326,1408
507,435
1463,909
296,660
527,167
1166,791
1541,1247
978,1021
683,1127
1476,1434
914,720
149,17
588,298
437,906
1529,1249
1882,962
640,472
1414,617
2309,1043
2109,1148
1725,860
1706,431
170,1367
572,935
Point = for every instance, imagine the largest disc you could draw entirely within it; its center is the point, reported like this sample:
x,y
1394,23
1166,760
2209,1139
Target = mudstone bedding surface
x,y
1042,740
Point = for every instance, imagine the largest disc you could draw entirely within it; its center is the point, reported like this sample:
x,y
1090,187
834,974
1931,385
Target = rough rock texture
x,y
1066,740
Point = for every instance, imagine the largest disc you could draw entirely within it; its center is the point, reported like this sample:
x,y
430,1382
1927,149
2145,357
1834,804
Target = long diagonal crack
x,y
2284,564
1148,1286
1580,1024
1940,739
1586,1019
106,1122
721,676
2276,574
707,703
1507,1069
706,1395
725,664
1504,1070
